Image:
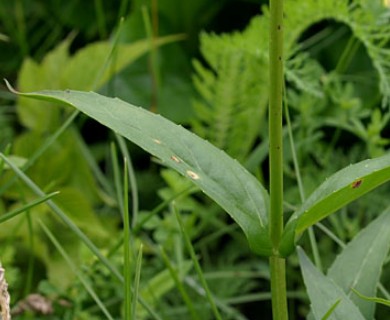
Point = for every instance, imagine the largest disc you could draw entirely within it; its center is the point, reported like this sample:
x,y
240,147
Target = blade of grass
x,y
110,55
179,285
373,299
7,151
122,12
137,278
330,311
76,271
100,18
133,182
198,269
117,179
155,75
127,271
21,28
26,207
31,256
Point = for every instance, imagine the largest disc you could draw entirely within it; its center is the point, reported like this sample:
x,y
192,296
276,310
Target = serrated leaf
x,y
324,293
360,263
341,188
216,174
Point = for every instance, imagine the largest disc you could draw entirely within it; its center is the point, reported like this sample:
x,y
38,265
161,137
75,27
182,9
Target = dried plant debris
x,y
4,296
34,303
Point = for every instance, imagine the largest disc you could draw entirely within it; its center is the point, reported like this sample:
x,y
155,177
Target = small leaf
x,y
360,263
341,188
324,293
215,173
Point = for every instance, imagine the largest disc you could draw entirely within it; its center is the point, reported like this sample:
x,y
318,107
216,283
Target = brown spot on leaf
x,y
357,183
176,159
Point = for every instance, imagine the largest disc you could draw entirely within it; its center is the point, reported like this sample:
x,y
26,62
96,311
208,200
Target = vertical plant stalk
x,y
4,296
277,264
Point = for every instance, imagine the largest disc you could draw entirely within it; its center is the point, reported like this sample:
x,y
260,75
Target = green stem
x,y
278,288
275,122
277,264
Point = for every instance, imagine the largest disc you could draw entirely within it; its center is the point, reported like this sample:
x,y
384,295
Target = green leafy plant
x,y
260,213
222,178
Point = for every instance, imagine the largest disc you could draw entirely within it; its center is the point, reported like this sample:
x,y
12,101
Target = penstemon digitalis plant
x,y
259,213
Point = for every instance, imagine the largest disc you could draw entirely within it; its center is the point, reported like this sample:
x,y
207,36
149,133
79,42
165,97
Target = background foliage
x,y
213,81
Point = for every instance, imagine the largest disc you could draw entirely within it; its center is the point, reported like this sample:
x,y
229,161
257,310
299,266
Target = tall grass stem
x,y
127,270
137,277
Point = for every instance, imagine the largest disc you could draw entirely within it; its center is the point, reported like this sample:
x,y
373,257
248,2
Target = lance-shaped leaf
x,y
215,173
324,293
359,264
341,188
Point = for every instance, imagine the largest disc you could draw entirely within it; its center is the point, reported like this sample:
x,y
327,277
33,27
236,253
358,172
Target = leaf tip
x,y
10,88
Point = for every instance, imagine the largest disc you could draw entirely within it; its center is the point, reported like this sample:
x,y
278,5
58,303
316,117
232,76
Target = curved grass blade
x,y
337,191
137,278
216,174
127,269
372,299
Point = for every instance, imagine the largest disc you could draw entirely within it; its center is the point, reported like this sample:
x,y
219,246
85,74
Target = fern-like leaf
x,y
233,90
233,94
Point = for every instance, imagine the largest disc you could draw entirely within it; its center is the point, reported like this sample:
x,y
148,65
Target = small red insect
x,y
357,183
